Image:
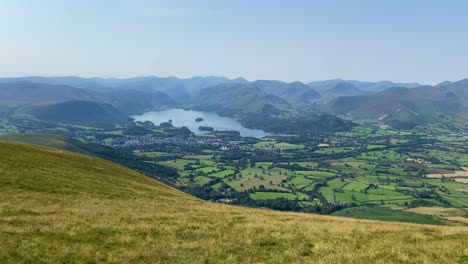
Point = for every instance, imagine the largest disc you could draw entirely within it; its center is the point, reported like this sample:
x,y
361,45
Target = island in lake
x,y
198,119
181,117
205,128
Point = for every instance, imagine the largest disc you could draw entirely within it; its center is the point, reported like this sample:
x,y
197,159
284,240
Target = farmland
x,y
395,169
366,167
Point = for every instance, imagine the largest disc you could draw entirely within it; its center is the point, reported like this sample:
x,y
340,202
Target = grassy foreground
x,y
57,206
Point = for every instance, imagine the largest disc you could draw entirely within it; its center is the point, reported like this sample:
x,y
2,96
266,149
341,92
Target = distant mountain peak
x,y
240,80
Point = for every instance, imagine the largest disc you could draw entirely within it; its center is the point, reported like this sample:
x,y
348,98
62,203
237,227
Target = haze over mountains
x,y
25,93
405,104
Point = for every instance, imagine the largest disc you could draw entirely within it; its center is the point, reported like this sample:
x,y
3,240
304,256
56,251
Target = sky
x,y
421,41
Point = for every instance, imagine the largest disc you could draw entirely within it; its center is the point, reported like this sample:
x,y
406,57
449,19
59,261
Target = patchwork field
x,y
458,176
375,176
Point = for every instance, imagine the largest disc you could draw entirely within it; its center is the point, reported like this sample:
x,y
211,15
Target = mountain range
x,y
405,104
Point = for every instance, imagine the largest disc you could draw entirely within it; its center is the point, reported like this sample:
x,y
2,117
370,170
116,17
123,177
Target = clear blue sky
x,y
400,40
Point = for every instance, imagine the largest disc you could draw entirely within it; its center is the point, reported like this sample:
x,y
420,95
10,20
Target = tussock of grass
x,y
62,207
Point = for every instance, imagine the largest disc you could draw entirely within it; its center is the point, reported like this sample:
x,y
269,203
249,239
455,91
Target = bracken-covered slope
x,y
61,207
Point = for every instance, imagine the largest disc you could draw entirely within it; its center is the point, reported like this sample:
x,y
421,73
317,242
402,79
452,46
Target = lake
x,y
181,117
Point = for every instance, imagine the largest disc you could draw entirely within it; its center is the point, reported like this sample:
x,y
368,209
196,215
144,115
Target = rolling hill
x,y
406,106
343,89
373,105
77,112
57,141
179,89
57,206
134,101
27,93
89,84
372,87
294,93
244,98
30,91
87,148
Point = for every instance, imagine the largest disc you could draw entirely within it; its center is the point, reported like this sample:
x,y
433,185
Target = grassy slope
x,y
56,141
57,206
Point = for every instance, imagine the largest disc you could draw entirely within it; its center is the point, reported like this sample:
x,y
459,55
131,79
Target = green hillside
x,y
125,158
403,107
294,93
59,142
61,207
19,93
134,101
237,98
86,113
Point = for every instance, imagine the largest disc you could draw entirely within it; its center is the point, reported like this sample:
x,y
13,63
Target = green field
x,y
375,177
274,195
278,145
153,154
222,174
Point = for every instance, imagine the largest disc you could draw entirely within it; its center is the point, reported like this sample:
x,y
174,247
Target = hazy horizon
x,y
399,41
215,76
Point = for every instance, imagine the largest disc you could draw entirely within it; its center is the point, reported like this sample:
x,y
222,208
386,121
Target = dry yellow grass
x,y
458,176
66,208
461,180
452,214
460,173
437,210
460,219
